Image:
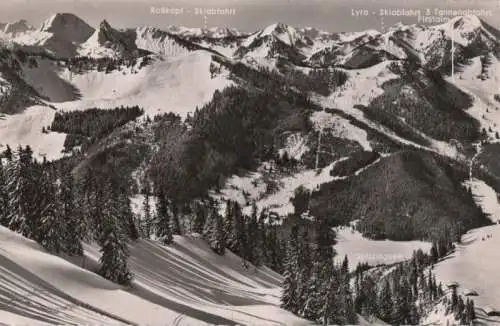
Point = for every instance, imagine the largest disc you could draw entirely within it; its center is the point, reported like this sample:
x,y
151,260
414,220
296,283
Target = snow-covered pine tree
x,y
235,229
8,153
200,217
214,231
262,239
127,215
113,242
304,270
50,233
289,297
163,227
175,223
148,217
21,192
348,310
75,223
254,249
319,282
4,195
90,203
385,302
331,301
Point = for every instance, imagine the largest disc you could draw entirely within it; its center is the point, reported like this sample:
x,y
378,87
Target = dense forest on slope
x,y
409,195
235,130
86,127
425,101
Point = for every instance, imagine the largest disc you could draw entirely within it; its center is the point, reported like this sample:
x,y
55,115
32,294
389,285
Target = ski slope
x,y
486,198
484,108
26,129
184,284
474,266
176,85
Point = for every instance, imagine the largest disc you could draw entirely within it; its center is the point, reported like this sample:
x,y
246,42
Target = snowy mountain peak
x,y
18,27
67,26
466,30
107,34
464,23
276,28
281,31
104,25
109,42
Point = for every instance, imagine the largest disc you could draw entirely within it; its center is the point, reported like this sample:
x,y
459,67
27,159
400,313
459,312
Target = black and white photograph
x,y
249,162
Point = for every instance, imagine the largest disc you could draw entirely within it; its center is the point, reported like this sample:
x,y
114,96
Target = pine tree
x,y
8,153
253,248
385,302
304,269
300,200
127,215
74,220
21,193
113,241
163,227
236,230
261,242
434,253
4,196
50,233
348,310
200,217
289,298
214,232
148,218
330,308
317,304
175,224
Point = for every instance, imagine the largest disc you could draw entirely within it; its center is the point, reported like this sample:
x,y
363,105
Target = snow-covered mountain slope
x,y
362,87
60,34
474,266
68,27
486,198
176,85
482,84
45,78
159,42
18,27
39,288
26,129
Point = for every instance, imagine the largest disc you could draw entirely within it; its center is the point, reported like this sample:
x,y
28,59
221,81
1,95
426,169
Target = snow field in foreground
x,y
185,284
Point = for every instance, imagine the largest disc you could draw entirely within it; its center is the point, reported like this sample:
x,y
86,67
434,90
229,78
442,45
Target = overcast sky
x,y
250,15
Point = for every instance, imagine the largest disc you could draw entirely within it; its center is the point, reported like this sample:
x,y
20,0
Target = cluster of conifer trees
x,y
317,289
43,201
314,287
255,237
